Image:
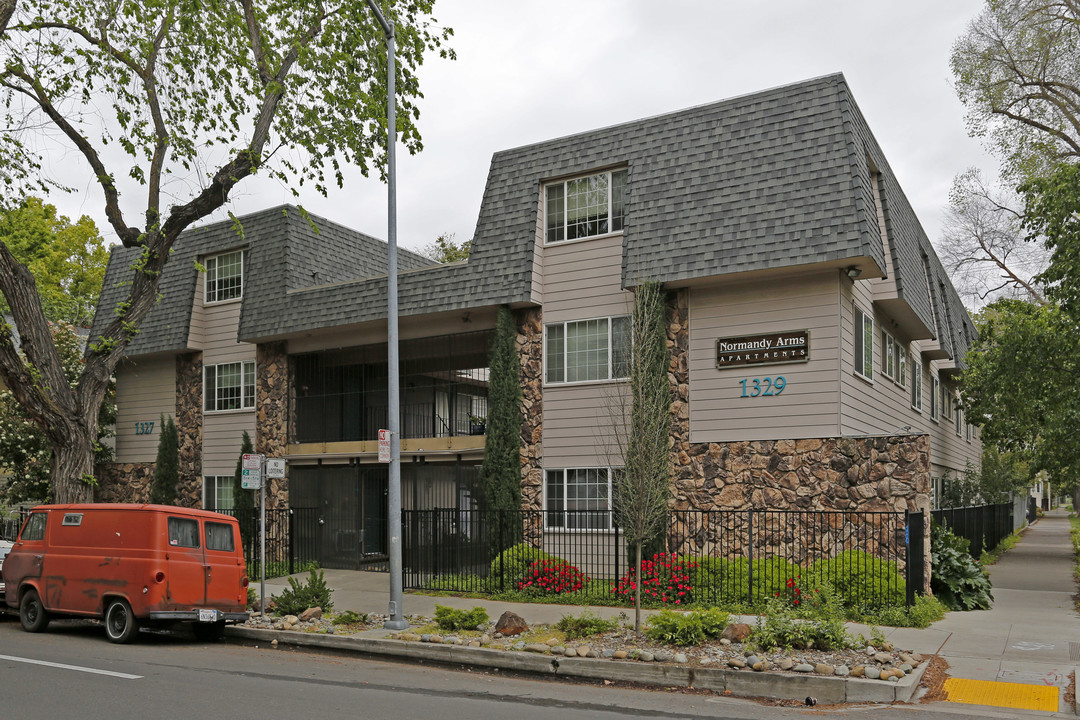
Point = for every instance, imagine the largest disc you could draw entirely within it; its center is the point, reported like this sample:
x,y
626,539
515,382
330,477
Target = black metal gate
x,y
350,531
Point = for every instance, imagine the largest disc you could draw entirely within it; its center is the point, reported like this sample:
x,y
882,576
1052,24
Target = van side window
x,y
35,527
183,532
219,536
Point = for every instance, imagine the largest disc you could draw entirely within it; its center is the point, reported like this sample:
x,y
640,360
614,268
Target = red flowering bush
x,y
664,579
552,576
796,593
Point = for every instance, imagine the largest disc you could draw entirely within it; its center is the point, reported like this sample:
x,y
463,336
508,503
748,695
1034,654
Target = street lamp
x,y
397,619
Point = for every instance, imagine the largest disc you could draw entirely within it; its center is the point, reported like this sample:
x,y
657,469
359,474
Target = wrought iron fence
x,y
718,557
11,522
288,549
984,526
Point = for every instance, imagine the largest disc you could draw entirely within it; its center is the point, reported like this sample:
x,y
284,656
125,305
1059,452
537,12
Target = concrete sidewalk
x,y
1030,637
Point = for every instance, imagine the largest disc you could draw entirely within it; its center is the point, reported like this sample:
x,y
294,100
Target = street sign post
x,y
251,465
251,471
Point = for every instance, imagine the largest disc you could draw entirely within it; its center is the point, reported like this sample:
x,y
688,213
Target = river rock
x,y
536,648
804,668
873,672
823,669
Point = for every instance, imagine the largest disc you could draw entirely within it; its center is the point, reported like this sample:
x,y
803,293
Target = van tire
x,y
120,623
32,613
209,632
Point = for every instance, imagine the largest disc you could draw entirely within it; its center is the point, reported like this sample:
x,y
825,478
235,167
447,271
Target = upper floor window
x,y
864,344
229,386
946,402
934,396
225,276
585,207
588,350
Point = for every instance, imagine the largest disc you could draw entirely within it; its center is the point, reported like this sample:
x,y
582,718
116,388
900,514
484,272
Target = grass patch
x,y
989,557
1074,532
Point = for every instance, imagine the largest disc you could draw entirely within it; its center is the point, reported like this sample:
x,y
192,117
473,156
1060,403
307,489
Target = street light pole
x,y
397,619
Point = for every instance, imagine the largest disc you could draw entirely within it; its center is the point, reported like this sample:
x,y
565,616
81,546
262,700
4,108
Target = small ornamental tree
x,y
642,427
167,467
500,476
244,500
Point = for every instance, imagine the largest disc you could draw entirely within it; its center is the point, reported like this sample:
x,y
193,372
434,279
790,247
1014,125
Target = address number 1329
x,y
764,387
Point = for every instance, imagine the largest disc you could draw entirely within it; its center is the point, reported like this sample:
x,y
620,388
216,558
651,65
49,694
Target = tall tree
x,y
500,475
25,452
66,259
167,468
1016,70
244,500
984,246
642,429
445,250
190,98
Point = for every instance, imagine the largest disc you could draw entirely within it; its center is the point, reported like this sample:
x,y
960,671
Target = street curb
x,y
744,683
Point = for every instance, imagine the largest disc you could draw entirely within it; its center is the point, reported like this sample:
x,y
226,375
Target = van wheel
x,y
209,632
32,612
120,623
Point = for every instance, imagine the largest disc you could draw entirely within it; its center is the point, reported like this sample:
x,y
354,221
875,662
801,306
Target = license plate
x,y
208,615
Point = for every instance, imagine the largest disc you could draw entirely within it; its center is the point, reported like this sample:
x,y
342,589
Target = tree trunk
x,y
637,588
73,460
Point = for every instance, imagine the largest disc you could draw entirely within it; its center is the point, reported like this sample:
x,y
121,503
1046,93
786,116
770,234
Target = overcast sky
x,y
531,71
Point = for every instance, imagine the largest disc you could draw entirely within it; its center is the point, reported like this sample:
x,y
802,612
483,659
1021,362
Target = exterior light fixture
x,y
853,271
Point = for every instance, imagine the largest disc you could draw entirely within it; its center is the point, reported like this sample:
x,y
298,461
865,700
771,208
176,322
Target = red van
x,y
128,565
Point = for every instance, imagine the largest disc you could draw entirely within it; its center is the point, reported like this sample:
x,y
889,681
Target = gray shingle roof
x,y
776,178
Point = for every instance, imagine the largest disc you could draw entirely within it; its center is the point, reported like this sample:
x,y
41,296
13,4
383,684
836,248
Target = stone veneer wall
x,y
271,413
123,482
873,473
189,426
530,339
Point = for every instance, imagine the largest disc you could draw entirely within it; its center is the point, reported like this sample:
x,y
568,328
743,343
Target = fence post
x,y
750,556
616,526
916,548
292,535
501,549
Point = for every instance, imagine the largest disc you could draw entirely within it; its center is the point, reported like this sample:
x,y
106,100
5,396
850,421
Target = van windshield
x,y
35,527
183,532
219,536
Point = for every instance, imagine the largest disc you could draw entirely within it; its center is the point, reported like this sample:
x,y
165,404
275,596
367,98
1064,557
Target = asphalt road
x,y
72,671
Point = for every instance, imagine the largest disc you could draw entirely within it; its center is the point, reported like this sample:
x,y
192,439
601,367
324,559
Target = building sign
x,y
771,349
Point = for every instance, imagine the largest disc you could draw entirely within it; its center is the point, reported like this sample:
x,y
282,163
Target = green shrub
x,y
350,617
510,566
729,581
687,628
778,627
449,618
300,596
861,579
584,625
459,583
925,611
957,580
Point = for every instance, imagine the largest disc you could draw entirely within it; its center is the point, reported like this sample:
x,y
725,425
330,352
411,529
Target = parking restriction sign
x,y
384,446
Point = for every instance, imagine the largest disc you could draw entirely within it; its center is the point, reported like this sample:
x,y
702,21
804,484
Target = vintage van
x,y
127,565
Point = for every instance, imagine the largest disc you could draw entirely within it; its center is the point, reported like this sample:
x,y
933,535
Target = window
x,y
946,402
35,527
917,370
934,395
224,276
183,532
585,207
864,344
218,492
959,419
969,432
229,386
888,355
219,536
578,498
903,360
579,351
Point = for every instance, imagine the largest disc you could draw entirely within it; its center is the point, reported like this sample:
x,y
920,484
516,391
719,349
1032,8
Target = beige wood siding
x,y
197,328
582,280
536,290
808,405
883,407
220,345
222,434
145,390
